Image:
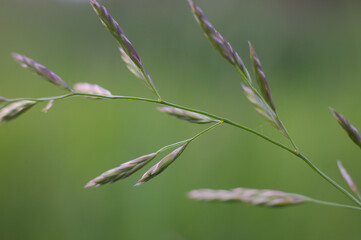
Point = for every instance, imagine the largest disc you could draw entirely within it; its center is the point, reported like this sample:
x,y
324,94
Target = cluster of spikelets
x,y
261,99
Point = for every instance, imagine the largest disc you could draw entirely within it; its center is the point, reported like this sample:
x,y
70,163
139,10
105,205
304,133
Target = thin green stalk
x,y
151,85
288,135
172,146
204,131
333,204
190,139
221,119
328,179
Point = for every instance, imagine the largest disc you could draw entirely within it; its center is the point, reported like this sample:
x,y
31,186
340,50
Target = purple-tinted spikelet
x,y
129,54
121,172
186,115
2,99
15,109
161,165
41,70
347,178
263,109
264,198
91,89
217,40
114,28
347,126
261,78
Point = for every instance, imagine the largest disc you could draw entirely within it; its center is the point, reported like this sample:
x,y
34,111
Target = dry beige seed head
x,y
14,110
91,89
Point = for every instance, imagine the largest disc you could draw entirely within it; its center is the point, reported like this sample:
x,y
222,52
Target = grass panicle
x,y
15,109
352,132
161,165
264,198
41,71
261,78
262,101
186,115
121,172
91,89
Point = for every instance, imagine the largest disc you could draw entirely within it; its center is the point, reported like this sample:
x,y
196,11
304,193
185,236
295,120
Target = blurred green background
x,y
311,53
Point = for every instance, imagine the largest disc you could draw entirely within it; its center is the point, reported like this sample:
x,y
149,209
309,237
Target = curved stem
x,y
221,119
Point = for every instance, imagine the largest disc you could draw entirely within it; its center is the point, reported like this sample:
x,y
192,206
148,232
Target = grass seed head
x,y
114,28
352,132
41,71
263,109
161,165
14,110
186,115
91,89
348,178
129,54
264,198
216,39
121,172
261,78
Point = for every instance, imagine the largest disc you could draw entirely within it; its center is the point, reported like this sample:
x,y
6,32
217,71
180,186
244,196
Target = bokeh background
x,y
311,53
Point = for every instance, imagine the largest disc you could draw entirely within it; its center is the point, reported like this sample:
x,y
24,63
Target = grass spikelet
x,y
186,115
218,41
129,54
91,89
14,110
121,172
348,178
133,68
2,99
264,198
41,71
161,165
347,126
261,78
48,106
263,109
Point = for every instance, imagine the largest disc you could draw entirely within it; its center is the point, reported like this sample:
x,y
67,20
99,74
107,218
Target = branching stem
x,y
221,120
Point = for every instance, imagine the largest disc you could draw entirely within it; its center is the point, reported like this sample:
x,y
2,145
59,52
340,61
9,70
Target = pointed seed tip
x,y
90,184
138,183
